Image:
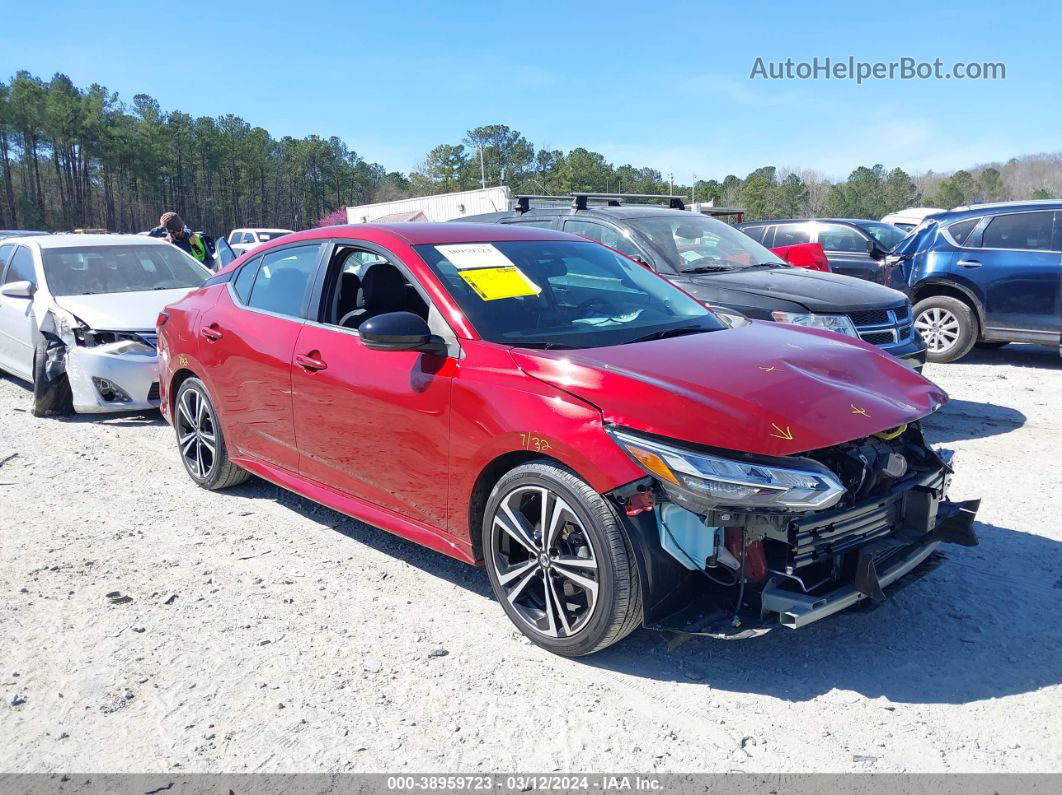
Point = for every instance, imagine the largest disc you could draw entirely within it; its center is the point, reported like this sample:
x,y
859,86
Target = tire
x,y
948,327
991,345
200,442
594,597
50,398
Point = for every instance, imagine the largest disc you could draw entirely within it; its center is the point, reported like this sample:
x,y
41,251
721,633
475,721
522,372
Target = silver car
x,y
77,317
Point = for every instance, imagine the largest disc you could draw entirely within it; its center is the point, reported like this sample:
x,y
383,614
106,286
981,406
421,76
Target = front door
x,y
16,313
847,251
373,424
247,340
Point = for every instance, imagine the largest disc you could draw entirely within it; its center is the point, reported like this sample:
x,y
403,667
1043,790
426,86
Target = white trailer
x,y
441,207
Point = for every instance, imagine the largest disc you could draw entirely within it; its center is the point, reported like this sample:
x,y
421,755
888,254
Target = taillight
x,y
160,321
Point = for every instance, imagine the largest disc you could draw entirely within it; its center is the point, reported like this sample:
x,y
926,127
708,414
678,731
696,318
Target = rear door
x,y
247,340
1015,265
847,251
16,314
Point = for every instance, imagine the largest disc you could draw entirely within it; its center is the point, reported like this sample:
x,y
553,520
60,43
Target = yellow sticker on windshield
x,y
492,284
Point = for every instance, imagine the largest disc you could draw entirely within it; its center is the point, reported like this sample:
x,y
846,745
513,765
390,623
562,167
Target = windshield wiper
x,y
707,269
546,346
668,332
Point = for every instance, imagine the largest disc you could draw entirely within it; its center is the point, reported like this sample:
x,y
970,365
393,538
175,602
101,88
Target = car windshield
x,y
87,270
887,235
696,244
562,294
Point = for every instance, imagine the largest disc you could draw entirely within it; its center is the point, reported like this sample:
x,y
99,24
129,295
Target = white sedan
x,y
77,317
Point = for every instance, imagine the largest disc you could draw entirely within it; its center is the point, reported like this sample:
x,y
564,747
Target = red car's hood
x,y
763,388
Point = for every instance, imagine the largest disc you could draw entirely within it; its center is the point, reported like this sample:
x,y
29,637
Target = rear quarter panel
x,y
179,342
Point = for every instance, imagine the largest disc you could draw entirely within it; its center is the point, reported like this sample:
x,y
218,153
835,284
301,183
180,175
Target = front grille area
x,y
153,393
813,540
884,327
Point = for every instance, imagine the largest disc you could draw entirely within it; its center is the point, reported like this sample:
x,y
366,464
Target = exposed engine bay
x,y
759,568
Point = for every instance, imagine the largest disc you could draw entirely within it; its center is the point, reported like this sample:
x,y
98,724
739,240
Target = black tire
x,y
948,327
211,470
991,345
50,398
584,516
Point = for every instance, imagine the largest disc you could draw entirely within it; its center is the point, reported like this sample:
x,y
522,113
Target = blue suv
x,y
984,275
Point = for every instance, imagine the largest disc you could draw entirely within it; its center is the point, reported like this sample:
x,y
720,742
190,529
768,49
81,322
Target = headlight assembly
x,y
705,481
838,323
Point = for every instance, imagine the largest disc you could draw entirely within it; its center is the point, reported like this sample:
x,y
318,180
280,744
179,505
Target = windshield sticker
x,y
474,255
492,284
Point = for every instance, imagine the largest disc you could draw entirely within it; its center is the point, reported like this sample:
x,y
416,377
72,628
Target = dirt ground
x,y
267,634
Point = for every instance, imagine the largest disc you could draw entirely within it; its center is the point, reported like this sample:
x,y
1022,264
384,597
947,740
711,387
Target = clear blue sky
x,y
661,83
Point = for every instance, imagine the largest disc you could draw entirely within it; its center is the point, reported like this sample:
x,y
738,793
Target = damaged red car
x,y
612,452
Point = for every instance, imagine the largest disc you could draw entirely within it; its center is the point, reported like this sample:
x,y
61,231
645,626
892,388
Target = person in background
x,y
201,246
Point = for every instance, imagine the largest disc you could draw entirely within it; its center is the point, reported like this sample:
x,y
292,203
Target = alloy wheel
x,y
544,561
939,328
196,433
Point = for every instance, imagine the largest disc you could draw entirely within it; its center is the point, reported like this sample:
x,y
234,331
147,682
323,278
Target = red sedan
x,y
614,453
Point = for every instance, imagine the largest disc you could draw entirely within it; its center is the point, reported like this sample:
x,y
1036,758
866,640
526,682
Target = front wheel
x,y
200,441
51,394
948,327
558,560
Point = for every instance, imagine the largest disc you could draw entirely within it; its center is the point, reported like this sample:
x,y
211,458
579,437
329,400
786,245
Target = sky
x,y
663,84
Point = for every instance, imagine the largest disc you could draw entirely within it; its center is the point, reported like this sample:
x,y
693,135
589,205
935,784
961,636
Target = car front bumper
x,y
135,374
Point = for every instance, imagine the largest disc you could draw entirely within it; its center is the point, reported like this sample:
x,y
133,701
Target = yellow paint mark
x,y
779,433
182,360
857,410
890,435
770,369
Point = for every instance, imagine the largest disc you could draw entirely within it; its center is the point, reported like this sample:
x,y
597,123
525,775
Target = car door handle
x,y
309,363
969,263
212,333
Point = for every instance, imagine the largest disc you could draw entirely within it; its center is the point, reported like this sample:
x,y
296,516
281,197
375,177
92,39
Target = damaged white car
x,y
77,317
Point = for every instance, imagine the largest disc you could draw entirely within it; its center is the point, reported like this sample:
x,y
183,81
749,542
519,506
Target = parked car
x,y
854,247
6,233
729,270
911,217
526,399
77,317
243,240
987,274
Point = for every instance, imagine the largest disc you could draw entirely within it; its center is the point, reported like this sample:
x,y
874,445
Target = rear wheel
x,y
200,441
948,327
558,560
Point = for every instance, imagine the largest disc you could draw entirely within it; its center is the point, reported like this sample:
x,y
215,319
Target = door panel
x,y
374,424
1021,287
16,314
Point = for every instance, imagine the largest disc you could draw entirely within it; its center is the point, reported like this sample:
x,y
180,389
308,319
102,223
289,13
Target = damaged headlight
x,y
841,324
703,480
115,342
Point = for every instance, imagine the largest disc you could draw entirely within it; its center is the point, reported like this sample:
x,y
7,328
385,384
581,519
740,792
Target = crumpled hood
x,y
121,311
818,291
763,388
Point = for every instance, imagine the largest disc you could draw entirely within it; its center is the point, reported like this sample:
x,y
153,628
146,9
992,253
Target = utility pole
x,y
482,172
693,190
670,183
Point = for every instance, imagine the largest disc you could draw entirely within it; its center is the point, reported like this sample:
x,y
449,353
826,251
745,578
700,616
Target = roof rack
x,y
580,199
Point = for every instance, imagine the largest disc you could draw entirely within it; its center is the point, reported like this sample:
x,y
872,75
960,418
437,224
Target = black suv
x,y
855,247
727,269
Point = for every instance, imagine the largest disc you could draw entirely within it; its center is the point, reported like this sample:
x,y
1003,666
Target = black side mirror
x,y
873,249
400,331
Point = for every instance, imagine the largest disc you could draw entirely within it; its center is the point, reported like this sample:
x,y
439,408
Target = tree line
x,y
75,157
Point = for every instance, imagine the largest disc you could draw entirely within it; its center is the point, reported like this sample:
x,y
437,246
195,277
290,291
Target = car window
x,y
560,293
21,268
602,234
755,232
272,235
695,243
791,235
961,229
1028,231
234,236
887,235
245,277
834,237
542,223
5,255
283,279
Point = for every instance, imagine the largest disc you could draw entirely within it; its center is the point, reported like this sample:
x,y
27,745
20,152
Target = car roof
x,y
417,233
75,240
817,220
1028,204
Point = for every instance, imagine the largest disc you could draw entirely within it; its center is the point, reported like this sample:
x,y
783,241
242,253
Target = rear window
x,y
88,270
264,236
1026,231
960,230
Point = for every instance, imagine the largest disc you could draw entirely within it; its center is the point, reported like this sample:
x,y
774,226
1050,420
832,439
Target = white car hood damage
x,y
120,311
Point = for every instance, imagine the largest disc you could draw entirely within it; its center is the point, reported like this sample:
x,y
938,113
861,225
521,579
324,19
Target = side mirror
x,y
873,249
18,289
400,331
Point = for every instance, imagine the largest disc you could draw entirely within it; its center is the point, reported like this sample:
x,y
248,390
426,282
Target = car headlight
x,y
705,481
842,324
729,317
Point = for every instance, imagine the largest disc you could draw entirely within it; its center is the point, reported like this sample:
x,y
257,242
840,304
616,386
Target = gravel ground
x,y
268,634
